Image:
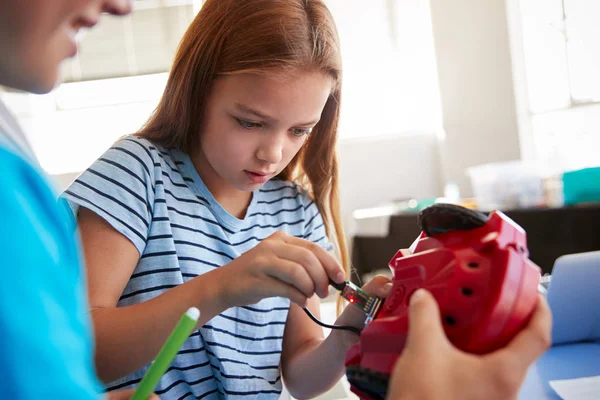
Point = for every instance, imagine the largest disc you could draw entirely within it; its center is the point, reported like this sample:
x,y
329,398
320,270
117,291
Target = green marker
x,y
167,353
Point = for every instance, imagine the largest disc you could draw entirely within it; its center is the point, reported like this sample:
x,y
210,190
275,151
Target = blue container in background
x,y
582,186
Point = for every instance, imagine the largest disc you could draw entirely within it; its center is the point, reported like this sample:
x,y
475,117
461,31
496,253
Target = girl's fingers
x,y
281,289
291,273
333,269
309,261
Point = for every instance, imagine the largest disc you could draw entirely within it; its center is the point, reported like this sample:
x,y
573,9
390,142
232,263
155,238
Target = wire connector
x,y
368,304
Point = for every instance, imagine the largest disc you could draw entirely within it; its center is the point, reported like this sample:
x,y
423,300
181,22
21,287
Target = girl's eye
x,y
301,132
248,124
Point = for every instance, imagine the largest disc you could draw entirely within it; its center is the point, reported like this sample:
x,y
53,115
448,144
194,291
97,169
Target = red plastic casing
x,y
482,279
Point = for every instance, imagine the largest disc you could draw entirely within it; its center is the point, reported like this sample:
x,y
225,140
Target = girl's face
x,y
255,125
37,35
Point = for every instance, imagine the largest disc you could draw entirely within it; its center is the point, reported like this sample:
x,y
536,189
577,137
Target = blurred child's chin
x,y
45,83
250,186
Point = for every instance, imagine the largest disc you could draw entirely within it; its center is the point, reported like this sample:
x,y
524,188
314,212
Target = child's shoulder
x,y
9,159
132,150
20,174
22,181
138,145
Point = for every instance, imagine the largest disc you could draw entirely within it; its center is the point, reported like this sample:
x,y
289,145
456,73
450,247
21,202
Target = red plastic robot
x,y
478,270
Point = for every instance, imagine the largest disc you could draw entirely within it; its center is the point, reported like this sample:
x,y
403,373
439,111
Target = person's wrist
x,y
219,289
353,318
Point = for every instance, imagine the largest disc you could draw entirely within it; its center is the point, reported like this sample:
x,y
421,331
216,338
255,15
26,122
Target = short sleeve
x,y
45,331
119,188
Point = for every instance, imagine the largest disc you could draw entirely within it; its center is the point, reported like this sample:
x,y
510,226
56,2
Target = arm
x,y
305,351
307,357
129,337
431,368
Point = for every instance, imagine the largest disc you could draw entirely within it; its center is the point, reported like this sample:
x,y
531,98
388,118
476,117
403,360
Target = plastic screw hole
x,y
467,291
473,265
450,321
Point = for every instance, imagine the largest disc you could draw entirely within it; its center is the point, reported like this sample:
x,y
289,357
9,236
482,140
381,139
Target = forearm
x,y
127,338
318,366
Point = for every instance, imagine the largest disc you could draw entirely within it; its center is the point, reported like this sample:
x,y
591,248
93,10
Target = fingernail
x,y
387,288
418,295
340,277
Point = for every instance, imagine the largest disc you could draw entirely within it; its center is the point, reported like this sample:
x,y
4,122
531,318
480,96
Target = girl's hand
x,y
379,286
281,265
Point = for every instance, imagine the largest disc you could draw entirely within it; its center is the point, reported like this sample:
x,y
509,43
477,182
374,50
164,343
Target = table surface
x,y
560,362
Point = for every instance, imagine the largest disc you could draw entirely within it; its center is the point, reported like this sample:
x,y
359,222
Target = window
x,y
72,126
561,53
390,77
111,88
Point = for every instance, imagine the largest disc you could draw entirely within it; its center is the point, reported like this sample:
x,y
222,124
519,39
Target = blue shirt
x,y
45,331
155,198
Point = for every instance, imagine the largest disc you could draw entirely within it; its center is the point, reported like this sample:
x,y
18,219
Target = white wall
x,y
375,171
476,86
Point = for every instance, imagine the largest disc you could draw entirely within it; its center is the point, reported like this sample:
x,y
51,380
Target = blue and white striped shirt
x,y
155,198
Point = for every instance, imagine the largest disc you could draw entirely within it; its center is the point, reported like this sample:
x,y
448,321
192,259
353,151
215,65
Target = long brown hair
x,y
263,37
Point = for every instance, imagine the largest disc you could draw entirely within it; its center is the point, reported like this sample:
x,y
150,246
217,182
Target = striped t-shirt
x,y
155,198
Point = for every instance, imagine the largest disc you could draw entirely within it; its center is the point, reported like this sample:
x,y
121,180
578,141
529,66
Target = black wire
x,y
338,286
323,324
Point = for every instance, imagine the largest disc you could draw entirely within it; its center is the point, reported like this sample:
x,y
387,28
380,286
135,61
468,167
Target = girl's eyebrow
x,y
254,112
265,117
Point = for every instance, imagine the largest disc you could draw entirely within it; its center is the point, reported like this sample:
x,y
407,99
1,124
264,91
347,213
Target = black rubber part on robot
x,y
441,218
372,383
